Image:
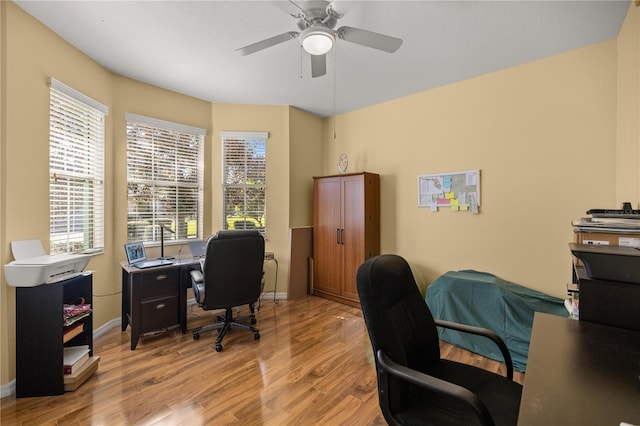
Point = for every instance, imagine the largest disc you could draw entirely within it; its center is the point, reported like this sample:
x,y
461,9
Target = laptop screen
x,y
135,252
198,248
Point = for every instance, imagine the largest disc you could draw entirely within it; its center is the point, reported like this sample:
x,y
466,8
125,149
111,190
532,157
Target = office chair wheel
x,y
196,336
218,347
256,336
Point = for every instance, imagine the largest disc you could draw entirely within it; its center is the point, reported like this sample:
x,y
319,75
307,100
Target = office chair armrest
x,y
197,285
196,276
479,331
433,384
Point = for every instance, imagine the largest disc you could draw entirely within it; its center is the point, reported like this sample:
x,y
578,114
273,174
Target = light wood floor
x,y
312,366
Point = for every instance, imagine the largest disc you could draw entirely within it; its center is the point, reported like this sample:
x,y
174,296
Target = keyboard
x,y
152,263
615,213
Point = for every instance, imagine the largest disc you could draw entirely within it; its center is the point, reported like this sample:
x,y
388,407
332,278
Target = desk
x,y
580,373
155,299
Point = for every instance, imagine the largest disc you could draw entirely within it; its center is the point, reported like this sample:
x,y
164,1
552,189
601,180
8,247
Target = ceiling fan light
x,y
317,42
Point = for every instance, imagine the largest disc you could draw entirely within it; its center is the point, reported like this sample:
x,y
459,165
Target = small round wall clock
x,y
343,163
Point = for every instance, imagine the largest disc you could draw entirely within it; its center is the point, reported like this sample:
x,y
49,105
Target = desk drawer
x,y
162,282
159,313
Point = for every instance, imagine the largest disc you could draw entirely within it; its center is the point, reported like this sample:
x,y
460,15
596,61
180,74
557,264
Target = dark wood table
x,y
155,299
581,373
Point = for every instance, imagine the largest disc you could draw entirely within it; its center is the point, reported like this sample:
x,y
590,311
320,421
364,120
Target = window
x,y
244,180
165,175
76,170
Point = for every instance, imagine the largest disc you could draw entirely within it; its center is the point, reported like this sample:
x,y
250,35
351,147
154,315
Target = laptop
x,y
198,248
137,256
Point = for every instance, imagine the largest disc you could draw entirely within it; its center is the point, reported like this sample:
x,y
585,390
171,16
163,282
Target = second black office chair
x,y
416,386
231,277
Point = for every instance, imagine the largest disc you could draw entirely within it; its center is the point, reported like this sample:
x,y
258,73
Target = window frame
x,y
227,136
151,232
76,170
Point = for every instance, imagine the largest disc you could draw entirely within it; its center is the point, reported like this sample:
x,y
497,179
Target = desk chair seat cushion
x,y
500,395
400,324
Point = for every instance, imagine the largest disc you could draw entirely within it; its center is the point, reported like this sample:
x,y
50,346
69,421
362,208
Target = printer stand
x,y
40,337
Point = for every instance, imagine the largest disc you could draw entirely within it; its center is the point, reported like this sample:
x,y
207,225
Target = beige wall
x,y
292,134
4,323
543,135
30,55
628,107
306,151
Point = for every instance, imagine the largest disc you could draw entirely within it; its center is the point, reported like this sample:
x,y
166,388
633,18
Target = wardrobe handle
x,y
338,236
342,236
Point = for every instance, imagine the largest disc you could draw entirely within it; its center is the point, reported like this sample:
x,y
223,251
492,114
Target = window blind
x,y
244,180
165,175
76,166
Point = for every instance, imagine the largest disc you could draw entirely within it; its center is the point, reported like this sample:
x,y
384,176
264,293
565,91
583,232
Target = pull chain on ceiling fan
x,y
316,21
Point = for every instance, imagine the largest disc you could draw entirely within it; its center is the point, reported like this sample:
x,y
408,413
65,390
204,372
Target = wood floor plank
x,y
313,365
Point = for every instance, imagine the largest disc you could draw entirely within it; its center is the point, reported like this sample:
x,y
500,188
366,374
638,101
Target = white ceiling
x,y
189,46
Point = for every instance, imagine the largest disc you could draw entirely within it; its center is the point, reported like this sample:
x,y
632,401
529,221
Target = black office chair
x,y
415,385
231,277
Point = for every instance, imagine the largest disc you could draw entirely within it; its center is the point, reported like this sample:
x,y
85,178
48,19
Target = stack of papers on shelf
x,y
74,357
607,224
73,312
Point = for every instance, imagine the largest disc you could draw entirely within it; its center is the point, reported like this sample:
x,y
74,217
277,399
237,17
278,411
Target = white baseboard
x,y
8,389
116,322
269,295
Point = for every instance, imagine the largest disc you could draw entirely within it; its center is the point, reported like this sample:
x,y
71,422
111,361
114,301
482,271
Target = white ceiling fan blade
x,y
318,65
290,8
269,42
338,8
369,39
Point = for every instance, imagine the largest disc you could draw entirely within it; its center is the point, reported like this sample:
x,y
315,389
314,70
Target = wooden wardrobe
x,y
346,232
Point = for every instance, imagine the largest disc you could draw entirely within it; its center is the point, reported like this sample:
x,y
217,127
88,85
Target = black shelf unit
x,y
40,334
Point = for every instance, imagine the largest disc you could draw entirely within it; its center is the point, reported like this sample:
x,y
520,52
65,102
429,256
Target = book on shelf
x,y
72,331
70,320
74,357
80,375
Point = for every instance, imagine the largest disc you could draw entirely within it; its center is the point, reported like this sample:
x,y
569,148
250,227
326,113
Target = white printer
x,y
33,267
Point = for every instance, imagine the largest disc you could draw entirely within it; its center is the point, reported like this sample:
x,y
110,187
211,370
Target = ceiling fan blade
x,y
269,42
369,39
290,8
318,65
339,8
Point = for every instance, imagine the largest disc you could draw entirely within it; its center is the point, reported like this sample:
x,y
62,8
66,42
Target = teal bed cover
x,y
484,300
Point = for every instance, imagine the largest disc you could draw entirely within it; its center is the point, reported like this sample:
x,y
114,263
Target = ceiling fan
x,y
316,21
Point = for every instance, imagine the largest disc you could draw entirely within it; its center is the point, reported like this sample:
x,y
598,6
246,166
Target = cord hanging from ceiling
x,y
335,49
301,50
